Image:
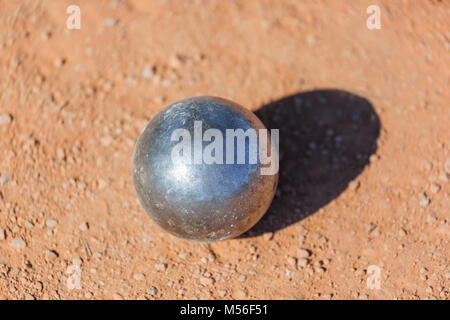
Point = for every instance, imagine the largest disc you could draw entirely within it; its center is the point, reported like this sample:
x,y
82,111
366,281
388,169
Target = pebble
x,y
59,62
5,118
51,223
301,239
444,177
117,296
152,291
303,253
77,261
84,226
161,266
4,178
51,255
18,243
268,236
292,261
110,21
184,255
2,234
424,202
29,297
354,185
147,73
302,262
139,276
242,278
206,281
434,188
222,293
60,154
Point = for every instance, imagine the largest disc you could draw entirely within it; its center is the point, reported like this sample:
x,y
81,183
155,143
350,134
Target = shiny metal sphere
x,y
200,202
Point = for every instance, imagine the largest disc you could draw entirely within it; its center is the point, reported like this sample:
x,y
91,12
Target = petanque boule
x,y
205,169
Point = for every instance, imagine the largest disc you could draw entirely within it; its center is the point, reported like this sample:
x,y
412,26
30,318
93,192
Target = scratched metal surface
x,y
201,202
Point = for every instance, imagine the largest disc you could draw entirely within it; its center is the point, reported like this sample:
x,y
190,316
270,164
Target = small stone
x,y
60,154
206,281
18,243
84,226
59,62
152,291
77,261
147,73
302,262
292,261
29,297
4,178
301,239
161,266
402,232
242,294
242,278
117,296
51,223
424,202
268,236
51,255
434,188
184,255
429,289
222,293
444,177
110,21
139,276
424,277
303,253
2,234
354,185
175,61
5,118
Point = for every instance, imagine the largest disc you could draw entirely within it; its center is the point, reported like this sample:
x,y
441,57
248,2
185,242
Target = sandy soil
x,y
364,121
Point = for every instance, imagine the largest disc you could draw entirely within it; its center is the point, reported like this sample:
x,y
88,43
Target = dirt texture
x,y
364,125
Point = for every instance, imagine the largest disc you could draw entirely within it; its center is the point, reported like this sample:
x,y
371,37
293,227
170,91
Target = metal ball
x,y
201,201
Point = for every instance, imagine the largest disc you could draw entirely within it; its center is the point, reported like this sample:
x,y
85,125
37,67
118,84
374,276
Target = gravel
x,y
302,262
139,276
303,253
5,118
424,202
51,223
51,255
18,243
4,178
161,266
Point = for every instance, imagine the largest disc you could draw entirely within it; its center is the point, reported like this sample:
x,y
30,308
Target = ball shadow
x,y
326,140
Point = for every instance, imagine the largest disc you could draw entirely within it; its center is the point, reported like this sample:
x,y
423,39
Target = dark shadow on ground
x,y
326,140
